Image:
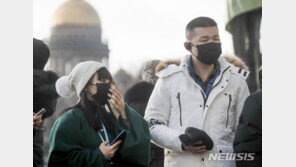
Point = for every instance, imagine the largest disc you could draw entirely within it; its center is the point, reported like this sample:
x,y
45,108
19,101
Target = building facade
x,y
75,37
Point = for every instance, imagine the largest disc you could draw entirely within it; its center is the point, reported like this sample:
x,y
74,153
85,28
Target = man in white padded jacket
x,y
204,92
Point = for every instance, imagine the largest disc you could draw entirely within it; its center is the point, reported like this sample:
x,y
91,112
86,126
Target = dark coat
x,y
44,96
248,137
44,92
137,98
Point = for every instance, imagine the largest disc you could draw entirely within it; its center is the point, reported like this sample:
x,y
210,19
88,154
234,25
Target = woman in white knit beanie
x,y
83,134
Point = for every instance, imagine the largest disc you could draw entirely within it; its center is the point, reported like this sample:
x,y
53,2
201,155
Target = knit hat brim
x,y
78,78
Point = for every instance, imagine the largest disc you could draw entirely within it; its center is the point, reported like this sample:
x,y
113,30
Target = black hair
x,y
40,54
103,73
199,22
94,112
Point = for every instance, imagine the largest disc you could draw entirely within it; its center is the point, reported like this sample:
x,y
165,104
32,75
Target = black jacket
x,y
44,92
44,96
248,137
137,98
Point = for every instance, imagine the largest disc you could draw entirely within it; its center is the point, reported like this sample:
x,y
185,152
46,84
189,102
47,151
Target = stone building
x,y
75,37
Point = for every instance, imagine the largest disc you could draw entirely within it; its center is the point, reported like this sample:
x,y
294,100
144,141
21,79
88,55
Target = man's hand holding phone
x,y
37,118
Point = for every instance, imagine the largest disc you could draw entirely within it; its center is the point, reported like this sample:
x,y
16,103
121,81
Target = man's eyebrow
x,y
205,36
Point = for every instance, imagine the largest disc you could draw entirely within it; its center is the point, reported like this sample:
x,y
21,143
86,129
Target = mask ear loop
x,y
193,45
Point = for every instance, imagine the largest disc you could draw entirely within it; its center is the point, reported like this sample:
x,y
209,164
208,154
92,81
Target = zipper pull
x,y
230,99
178,97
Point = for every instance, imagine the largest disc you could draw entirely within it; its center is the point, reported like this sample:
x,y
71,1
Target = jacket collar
x,y
223,63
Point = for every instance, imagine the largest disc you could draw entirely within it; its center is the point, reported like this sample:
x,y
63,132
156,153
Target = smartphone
x,y
42,111
120,136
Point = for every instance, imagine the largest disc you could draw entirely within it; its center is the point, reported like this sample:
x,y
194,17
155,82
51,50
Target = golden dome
x,y
76,12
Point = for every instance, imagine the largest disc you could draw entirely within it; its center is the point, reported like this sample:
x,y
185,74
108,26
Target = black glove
x,y
193,135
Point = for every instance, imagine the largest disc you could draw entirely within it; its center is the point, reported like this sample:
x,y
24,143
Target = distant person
x,y
248,137
44,96
137,97
82,134
204,92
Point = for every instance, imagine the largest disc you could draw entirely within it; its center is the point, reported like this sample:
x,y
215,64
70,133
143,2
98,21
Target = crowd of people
x,y
182,113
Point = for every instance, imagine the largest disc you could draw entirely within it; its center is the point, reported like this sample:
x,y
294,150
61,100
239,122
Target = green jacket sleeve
x,y
136,147
66,145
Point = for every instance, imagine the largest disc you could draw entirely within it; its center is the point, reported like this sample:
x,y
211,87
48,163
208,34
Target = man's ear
x,y
187,46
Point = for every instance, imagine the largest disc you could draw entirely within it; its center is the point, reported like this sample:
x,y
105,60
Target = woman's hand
x,y
109,151
117,102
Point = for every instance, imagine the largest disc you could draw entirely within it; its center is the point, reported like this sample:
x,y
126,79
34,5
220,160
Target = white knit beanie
x,y
66,86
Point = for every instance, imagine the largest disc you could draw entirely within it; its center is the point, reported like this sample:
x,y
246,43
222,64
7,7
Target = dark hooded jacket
x,y
44,95
248,137
137,98
138,95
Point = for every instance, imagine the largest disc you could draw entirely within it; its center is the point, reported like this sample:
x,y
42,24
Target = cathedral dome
x,y
76,12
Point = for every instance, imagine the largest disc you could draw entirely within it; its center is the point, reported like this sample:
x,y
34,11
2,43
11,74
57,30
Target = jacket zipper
x,y
205,99
230,99
178,97
219,80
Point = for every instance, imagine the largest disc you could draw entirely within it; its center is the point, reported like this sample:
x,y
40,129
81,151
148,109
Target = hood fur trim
x,y
163,64
236,61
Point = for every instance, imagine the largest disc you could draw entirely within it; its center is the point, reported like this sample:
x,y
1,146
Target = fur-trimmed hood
x,y
231,59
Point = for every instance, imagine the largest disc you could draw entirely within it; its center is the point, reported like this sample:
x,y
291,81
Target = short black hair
x,y
199,22
40,54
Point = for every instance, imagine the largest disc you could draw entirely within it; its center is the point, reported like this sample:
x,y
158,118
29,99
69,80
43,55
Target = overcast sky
x,y
141,30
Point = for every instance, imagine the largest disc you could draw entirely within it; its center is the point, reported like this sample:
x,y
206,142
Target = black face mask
x,y
209,53
101,96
